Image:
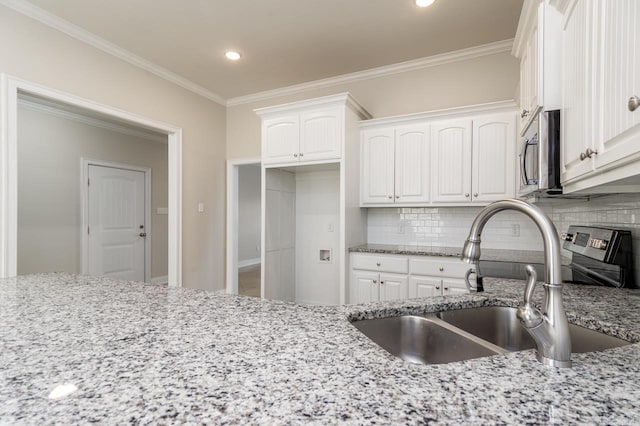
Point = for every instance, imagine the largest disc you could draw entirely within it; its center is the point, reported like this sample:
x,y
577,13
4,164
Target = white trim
x,y
84,210
488,108
53,21
416,64
340,99
91,121
248,262
528,19
163,280
9,176
232,220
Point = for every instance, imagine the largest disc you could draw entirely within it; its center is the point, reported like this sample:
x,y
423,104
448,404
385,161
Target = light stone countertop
x,y
498,255
140,353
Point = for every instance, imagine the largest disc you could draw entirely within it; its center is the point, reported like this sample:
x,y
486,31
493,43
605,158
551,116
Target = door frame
x,y
10,88
232,219
84,210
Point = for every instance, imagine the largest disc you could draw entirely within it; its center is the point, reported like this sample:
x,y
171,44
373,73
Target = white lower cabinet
x,y
382,277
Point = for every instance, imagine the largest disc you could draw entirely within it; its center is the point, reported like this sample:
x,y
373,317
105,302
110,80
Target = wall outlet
x,y
200,207
331,228
515,230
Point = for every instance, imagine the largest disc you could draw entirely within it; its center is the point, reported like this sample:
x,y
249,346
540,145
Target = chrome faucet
x,y
549,328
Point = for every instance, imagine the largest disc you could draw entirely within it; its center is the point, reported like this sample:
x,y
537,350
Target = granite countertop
x,y
140,353
498,255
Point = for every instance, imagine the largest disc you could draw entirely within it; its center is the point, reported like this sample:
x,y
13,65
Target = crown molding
x,y
528,20
53,21
416,64
448,113
91,121
338,99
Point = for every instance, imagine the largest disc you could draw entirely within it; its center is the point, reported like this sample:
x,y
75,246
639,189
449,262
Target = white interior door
x,y
116,213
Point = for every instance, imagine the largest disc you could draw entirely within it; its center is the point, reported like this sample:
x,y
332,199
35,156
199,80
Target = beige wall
x,y
486,79
50,149
37,53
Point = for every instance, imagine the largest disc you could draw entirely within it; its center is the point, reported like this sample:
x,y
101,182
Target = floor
x,y
249,281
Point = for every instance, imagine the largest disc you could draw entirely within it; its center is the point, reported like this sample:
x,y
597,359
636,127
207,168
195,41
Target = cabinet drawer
x,y
372,262
439,267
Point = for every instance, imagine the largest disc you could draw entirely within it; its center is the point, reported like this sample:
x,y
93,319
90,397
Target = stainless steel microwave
x,y
540,156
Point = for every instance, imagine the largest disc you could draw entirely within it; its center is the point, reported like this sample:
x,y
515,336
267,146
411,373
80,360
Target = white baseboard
x,y
160,280
248,262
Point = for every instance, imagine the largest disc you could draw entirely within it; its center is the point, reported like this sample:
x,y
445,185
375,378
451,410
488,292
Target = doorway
x,y
12,90
244,201
116,216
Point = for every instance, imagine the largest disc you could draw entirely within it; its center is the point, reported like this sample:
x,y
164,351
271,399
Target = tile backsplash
x,y
449,226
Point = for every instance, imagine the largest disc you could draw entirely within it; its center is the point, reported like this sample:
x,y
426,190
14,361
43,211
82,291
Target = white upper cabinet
x,y
440,161
308,132
576,123
618,79
282,138
307,136
395,165
537,44
377,183
320,135
451,161
600,81
412,164
494,157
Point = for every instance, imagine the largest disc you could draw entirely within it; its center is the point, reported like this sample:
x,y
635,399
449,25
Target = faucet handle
x,y
529,315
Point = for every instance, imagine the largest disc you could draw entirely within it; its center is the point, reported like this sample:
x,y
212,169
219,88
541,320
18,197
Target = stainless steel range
x,y
600,256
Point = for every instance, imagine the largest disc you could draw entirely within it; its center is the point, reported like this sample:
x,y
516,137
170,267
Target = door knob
x,y
301,155
143,234
295,155
475,194
466,195
390,197
634,103
441,269
524,113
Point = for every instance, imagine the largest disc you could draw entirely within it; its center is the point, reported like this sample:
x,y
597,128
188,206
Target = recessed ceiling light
x,y
232,55
424,3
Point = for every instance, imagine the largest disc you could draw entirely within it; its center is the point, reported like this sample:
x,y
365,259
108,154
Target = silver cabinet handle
x,y
525,112
634,103
437,287
295,155
143,234
441,269
475,194
446,289
583,156
390,197
377,263
375,281
591,152
301,154
397,196
466,195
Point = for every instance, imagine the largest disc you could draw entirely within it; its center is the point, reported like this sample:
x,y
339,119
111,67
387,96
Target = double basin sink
x,y
450,336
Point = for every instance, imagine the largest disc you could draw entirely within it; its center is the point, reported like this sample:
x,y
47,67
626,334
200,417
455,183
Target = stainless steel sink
x,y
500,326
424,340
466,334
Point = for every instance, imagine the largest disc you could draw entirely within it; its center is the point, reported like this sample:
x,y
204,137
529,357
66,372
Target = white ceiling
x,y
286,42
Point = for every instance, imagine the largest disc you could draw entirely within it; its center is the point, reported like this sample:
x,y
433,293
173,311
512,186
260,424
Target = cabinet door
x,y
454,286
321,135
577,125
377,166
364,287
424,287
280,139
393,287
413,155
451,161
618,80
494,157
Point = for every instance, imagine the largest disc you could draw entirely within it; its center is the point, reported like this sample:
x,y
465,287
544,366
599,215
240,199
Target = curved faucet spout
x,y
471,250
549,329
